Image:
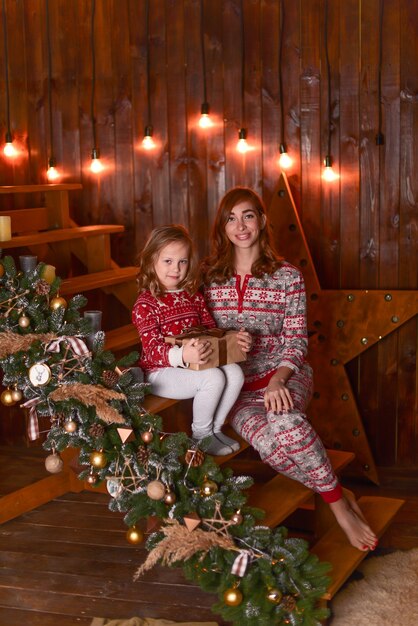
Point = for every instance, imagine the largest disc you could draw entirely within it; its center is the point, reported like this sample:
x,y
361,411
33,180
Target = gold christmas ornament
x,y
98,459
134,535
17,395
92,478
70,426
54,463
23,321
156,490
7,397
57,303
233,597
39,374
236,518
170,497
274,595
147,436
208,488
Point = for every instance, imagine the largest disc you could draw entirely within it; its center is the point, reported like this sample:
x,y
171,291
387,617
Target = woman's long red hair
x,y
219,266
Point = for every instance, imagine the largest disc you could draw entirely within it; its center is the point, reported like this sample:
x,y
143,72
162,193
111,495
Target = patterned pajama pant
x,y
287,442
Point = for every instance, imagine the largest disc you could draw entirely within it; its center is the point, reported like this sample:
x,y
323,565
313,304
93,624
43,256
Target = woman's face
x,y
243,225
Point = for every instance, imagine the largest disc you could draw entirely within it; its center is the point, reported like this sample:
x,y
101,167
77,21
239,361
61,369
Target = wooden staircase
x,y
49,232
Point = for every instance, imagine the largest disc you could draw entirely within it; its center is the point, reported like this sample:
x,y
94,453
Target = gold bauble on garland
x,y
134,535
236,518
16,395
156,490
54,463
208,488
274,595
170,497
92,478
232,597
57,303
7,397
147,436
70,426
23,321
98,459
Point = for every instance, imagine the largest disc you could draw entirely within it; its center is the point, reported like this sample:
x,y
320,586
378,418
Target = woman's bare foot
x,y
351,519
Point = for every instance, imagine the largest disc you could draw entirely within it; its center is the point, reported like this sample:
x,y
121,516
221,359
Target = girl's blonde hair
x,y
219,266
158,239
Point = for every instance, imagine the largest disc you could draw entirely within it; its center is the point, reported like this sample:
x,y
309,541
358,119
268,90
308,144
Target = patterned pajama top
x,y
273,310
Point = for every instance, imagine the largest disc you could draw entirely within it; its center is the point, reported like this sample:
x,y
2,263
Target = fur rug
x,y
145,621
387,595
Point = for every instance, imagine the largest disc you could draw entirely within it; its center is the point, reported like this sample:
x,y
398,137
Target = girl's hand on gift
x,y
197,351
277,396
244,340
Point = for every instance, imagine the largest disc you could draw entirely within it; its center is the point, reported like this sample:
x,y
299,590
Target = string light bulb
x,y
52,173
329,175
9,150
242,145
96,166
148,142
285,161
205,121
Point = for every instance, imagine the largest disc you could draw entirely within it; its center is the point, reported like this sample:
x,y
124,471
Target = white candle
x,y
5,227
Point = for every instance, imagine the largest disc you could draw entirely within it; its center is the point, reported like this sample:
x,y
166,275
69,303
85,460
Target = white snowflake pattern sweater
x,y
156,318
273,310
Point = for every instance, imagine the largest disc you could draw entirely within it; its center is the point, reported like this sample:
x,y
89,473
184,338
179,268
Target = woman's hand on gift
x,y
244,340
197,351
277,396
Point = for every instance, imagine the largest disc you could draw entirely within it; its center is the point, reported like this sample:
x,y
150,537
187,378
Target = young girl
x,y
248,285
168,304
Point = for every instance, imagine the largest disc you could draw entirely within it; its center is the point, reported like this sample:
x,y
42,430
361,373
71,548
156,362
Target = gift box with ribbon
x,y
224,345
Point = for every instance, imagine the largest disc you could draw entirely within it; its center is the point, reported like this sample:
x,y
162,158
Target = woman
x,y
249,288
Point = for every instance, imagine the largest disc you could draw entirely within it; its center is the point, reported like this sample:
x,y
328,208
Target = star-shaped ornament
x,y
342,324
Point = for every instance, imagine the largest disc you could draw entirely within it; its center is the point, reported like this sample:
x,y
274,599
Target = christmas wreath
x,y
55,365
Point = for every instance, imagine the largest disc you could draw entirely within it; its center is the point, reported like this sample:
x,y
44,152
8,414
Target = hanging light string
x,y
148,142
380,138
51,160
9,149
242,145
329,175
282,18
93,78
202,47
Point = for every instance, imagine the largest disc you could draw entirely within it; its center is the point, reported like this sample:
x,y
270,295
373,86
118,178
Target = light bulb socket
x,y
328,161
9,138
52,162
380,139
204,109
95,153
282,148
148,131
242,133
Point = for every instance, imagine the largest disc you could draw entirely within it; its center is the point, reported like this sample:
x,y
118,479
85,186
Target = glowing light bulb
x,y
328,174
96,165
242,145
205,121
9,150
284,159
148,142
52,173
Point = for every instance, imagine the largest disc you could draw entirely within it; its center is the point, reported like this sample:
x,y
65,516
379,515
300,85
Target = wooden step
x,y
334,548
98,280
36,188
122,338
281,496
61,234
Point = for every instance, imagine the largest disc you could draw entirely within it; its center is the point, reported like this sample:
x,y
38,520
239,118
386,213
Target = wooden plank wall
x,y
362,230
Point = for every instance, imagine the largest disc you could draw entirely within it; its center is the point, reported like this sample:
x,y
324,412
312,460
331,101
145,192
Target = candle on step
x,y
5,227
48,274
137,374
28,262
95,319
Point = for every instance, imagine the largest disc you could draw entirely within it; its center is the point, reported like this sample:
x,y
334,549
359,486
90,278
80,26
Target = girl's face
x,y
243,225
172,264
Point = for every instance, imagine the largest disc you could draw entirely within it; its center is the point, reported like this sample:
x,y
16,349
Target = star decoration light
x,y
342,324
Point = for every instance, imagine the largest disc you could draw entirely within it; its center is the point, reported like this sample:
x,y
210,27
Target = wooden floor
x,y
68,561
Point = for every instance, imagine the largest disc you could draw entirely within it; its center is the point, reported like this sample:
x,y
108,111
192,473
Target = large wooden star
x,y
342,324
